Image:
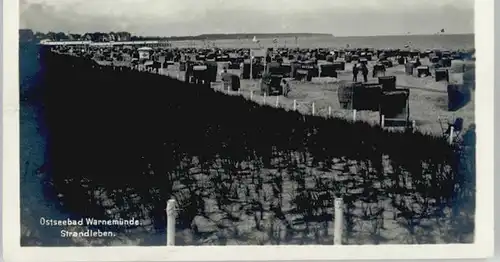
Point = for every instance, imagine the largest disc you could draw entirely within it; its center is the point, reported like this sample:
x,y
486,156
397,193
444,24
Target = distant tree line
x,y
30,35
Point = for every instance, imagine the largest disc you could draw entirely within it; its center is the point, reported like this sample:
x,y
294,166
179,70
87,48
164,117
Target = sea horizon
x,y
271,34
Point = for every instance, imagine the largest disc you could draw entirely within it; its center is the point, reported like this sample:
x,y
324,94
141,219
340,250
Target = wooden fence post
x,y
451,135
329,111
294,105
171,222
413,125
338,221
251,67
277,101
382,124
354,115
251,95
313,109
265,95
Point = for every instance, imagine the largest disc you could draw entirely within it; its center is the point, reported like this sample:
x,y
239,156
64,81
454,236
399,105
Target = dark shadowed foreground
x,y
121,143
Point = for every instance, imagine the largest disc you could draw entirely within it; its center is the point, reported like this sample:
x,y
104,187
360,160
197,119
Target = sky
x,y
194,17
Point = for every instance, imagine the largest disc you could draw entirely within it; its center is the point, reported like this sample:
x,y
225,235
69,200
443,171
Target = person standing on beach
x,y
355,71
364,70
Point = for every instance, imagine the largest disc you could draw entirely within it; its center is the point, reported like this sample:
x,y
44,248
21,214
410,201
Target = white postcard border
x,y
483,246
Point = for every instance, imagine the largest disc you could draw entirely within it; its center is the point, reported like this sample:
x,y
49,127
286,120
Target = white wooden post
x,y
251,65
265,64
265,95
338,221
228,89
313,109
383,121
329,111
451,135
413,125
354,115
171,222
294,104
277,101
251,95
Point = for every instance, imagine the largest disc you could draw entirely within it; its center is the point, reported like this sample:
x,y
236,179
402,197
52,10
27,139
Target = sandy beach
x,y
428,99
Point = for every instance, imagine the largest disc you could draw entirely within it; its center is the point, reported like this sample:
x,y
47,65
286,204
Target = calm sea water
x,y
415,41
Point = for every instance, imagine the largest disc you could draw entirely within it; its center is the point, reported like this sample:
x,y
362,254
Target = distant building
x,y
104,38
123,36
112,37
87,37
74,37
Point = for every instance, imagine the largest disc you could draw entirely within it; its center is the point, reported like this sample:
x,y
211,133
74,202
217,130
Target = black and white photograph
x,y
327,124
